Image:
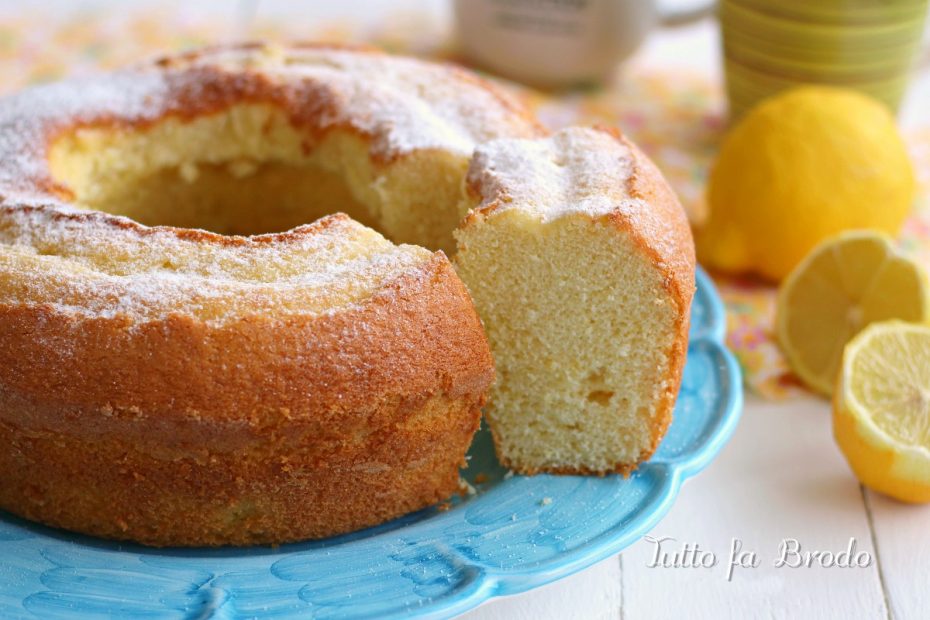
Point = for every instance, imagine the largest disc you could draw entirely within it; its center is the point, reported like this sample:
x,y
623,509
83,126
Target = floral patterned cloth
x,y
677,117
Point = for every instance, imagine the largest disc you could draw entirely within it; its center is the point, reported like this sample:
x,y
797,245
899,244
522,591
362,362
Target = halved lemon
x,y
844,284
881,410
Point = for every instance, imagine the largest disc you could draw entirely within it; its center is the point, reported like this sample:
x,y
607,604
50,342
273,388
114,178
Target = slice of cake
x,y
580,261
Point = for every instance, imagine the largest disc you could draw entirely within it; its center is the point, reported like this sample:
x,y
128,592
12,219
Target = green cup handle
x,y
681,17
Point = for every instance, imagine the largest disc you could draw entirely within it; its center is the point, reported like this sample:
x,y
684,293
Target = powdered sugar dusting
x,y
590,172
28,118
576,170
86,264
100,265
404,103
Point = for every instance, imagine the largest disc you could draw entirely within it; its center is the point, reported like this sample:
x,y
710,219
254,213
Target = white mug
x,y
556,43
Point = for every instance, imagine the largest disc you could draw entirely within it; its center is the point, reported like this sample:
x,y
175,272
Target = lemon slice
x,y
845,283
881,413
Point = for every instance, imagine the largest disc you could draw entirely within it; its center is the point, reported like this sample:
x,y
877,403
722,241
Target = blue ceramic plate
x,y
516,533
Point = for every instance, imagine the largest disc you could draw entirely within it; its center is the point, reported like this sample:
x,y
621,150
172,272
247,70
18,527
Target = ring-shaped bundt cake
x,y
174,386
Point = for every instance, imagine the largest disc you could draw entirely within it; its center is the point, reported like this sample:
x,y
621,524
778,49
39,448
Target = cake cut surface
x,y
581,264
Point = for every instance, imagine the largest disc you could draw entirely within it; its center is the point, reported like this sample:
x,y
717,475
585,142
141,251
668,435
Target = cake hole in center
x,y
248,170
230,198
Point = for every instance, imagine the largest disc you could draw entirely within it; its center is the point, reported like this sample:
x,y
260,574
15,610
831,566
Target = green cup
x,y
747,86
840,11
772,45
840,52
807,68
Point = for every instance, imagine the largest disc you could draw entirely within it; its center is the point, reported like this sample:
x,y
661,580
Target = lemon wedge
x,y
881,412
844,284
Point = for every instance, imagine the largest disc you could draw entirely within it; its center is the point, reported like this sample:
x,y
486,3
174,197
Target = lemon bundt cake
x,y
174,386
581,264
181,387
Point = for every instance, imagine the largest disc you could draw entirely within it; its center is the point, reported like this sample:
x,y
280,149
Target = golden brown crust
x,y
263,428
320,425
265,92
236,498
671,246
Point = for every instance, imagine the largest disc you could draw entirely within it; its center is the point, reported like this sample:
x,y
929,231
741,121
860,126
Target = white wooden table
x,y
780,477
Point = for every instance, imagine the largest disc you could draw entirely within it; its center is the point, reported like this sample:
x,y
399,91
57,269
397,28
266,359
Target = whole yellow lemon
x,y
800,167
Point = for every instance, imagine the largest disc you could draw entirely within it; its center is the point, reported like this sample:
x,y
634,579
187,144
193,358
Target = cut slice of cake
x,y
580,261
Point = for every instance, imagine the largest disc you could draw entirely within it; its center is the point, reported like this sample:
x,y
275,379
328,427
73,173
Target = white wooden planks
x,y
780,476
902,535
